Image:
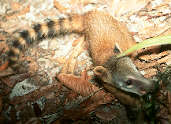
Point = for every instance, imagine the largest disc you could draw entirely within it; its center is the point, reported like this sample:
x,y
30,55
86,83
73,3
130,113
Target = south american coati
x,y
103,35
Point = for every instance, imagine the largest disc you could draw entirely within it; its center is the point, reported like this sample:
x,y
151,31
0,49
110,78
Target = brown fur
x,y
103,33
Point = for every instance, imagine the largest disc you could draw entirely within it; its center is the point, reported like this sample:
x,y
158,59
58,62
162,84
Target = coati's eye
x,y
128,82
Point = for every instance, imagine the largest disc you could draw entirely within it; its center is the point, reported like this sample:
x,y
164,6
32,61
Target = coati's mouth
x,y
139,84
131,85
114,90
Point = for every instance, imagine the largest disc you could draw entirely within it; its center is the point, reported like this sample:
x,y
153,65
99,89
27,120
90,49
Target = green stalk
x,y
161,40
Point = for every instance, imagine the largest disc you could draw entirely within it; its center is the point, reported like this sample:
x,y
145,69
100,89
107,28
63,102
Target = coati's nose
x,y
143,90
147,85
140,84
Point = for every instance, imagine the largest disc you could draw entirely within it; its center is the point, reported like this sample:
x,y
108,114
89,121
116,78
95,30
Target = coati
x,y
102,33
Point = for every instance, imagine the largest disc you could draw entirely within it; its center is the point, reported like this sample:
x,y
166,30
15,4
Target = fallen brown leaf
x,y
71,62
15,6
82,86
4,66
21,12
107,114
36,94
1,105
58,6
169,102
12,80
150,72
75,43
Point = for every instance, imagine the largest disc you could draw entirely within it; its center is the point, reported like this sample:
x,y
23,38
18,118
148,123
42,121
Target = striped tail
x,y
50,29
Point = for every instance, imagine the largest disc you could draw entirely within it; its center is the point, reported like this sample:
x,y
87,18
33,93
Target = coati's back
x,y
103,35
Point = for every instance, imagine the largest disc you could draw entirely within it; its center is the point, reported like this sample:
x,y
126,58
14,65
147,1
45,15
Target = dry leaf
x,y
15,6
1,105
169,102
120,7
82,86
60,7
21,12
71,62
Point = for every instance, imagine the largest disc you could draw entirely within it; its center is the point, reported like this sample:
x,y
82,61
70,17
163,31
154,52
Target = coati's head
x,y
122,74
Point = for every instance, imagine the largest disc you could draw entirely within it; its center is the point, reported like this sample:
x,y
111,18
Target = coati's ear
x,y
117,49
103,74
100,71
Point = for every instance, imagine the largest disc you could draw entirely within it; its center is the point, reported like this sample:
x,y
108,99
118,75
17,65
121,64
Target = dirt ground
x,y
56,89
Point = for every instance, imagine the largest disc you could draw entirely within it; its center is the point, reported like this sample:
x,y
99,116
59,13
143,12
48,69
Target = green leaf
x,y
161,40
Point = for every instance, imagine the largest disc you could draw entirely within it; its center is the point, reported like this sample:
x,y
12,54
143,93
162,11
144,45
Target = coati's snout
x,y
122,74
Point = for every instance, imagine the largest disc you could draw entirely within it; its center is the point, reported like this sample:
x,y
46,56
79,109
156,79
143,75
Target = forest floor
x,y
57,86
